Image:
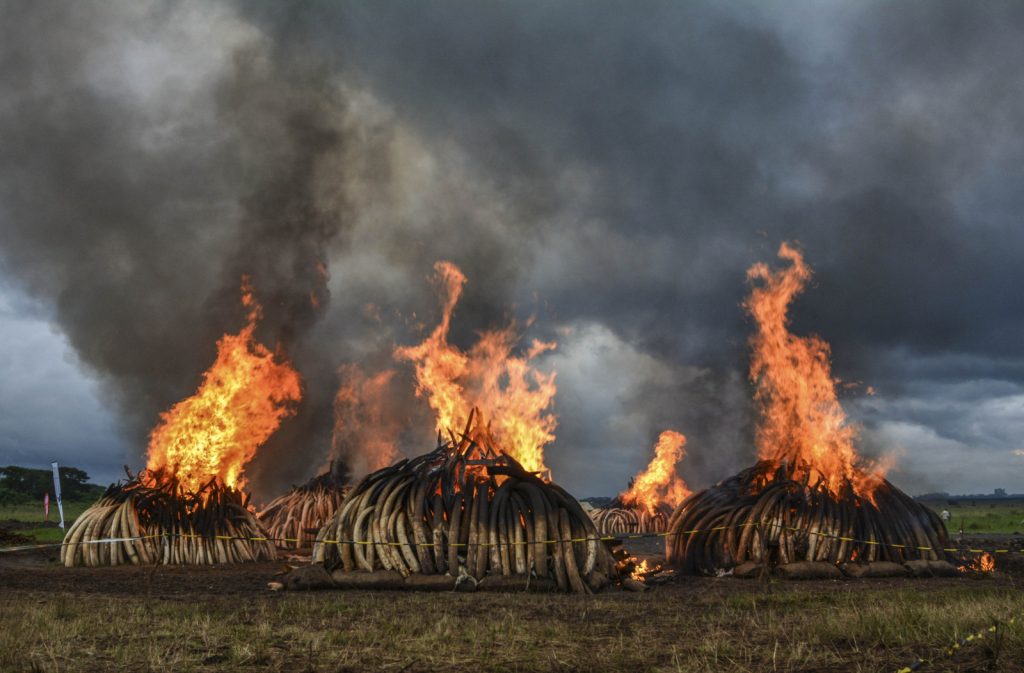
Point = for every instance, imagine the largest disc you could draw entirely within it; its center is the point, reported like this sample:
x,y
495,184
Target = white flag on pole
x,y
56,493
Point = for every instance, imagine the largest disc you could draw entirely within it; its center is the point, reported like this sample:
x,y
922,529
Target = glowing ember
x,y
241,401
802,423
514,398
660,483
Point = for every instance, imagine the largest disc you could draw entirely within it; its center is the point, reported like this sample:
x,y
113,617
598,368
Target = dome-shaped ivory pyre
x,y
464,509
293,519
188,505
811,497
150,519
764,515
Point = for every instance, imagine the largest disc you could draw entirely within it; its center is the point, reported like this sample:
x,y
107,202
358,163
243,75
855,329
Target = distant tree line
x,y
997,494
21,485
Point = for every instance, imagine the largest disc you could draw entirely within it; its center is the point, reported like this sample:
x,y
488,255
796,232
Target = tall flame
x,y
241,401
802,422
514,398
660,483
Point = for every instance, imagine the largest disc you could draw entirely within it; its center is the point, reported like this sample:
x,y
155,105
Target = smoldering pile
x,y
766,516
292,520
469,512
150,519
619,518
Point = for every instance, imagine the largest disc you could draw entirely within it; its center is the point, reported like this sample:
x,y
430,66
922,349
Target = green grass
x,y
34,513
693,629
983,517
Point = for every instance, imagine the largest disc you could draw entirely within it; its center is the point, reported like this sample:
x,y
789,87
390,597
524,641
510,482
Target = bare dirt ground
x,y
33,571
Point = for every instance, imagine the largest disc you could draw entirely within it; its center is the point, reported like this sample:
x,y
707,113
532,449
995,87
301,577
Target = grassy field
x,y
700,626
979,516
30,514
219,619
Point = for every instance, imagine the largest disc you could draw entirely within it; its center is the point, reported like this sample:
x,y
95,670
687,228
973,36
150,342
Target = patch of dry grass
x,y
695,627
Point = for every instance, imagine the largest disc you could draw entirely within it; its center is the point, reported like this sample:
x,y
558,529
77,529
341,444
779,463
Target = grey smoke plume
x,y
153,160
611,170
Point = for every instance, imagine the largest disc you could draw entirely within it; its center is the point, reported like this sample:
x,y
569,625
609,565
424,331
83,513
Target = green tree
x,y
25,484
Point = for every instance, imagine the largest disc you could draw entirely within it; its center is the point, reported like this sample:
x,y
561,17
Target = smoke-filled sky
x,y
610,168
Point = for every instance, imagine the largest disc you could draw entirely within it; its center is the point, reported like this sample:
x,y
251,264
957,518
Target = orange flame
x,y
640,570
660,483
985,563
802,422
363,433
508,391
241,401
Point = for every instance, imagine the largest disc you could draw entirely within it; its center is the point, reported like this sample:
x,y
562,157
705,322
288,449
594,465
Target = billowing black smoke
x,y
153,156
609,170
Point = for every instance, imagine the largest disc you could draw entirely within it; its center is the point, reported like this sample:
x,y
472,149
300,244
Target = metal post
x,y
56,492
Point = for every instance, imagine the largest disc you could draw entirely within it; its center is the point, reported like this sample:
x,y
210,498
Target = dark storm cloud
x,y
671,115
43,382
613,170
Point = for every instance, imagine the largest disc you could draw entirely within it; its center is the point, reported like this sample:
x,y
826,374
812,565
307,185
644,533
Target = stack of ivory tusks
x,y
762,514
615,520
289,517
149,521
449,512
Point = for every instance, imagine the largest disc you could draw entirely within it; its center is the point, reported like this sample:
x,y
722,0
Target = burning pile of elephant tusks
x,y
290,518
148,519
464,509
764,512
620,519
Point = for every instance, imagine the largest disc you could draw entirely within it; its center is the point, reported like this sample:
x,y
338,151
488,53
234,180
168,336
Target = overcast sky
x,y
610,168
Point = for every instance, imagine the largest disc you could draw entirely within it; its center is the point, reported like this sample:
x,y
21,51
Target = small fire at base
x,y
983,563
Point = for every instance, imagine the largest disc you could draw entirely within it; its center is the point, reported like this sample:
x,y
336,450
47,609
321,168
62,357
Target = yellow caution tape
x,y
605,538
955,647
